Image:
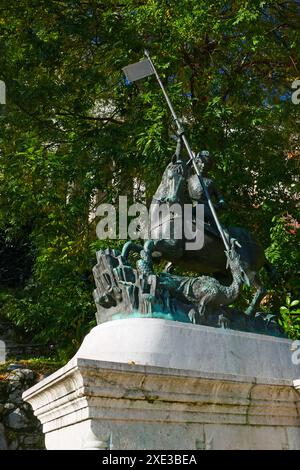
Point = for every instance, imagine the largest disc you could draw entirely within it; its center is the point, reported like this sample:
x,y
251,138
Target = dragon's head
x,y
234,261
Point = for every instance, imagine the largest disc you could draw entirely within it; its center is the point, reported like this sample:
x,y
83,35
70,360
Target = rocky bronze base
x,y
125,292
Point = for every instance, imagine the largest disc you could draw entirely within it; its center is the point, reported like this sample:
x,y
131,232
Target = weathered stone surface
x,y
23,376
157,384
17,419
96,404
9,406
194,347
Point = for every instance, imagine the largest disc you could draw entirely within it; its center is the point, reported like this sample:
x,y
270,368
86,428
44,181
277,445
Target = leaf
x,y
284,310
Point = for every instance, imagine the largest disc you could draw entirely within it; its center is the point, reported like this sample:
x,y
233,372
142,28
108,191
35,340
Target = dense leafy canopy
x,y
75,132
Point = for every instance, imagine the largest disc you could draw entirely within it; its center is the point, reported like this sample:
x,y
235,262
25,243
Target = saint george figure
x,y
205,163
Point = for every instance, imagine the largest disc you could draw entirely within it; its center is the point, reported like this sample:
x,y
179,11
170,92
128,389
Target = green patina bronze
x,y
178,316
127,291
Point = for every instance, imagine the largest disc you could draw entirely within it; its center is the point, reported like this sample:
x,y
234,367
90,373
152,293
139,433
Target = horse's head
x,y
173,179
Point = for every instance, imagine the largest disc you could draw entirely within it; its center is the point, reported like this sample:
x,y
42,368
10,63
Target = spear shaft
x,y
181,133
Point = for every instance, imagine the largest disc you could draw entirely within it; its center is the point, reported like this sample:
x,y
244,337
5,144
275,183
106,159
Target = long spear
x,y
143,69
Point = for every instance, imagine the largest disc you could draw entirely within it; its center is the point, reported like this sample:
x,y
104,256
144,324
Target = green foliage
x,y
290,318
74,133
284,253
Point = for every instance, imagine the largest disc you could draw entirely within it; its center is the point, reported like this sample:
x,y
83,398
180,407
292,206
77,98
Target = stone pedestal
x,y
158,384
2,351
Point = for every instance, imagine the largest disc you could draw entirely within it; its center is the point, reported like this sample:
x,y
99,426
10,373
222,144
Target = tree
x,y
74,131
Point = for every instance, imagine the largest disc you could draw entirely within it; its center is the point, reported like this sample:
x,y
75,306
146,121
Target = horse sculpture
x,y
211,258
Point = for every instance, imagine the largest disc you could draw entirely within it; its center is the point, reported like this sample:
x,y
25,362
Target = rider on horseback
x,y
205,162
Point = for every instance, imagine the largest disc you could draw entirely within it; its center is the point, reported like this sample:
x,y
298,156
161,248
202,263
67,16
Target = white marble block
x,y
159,384
2,351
